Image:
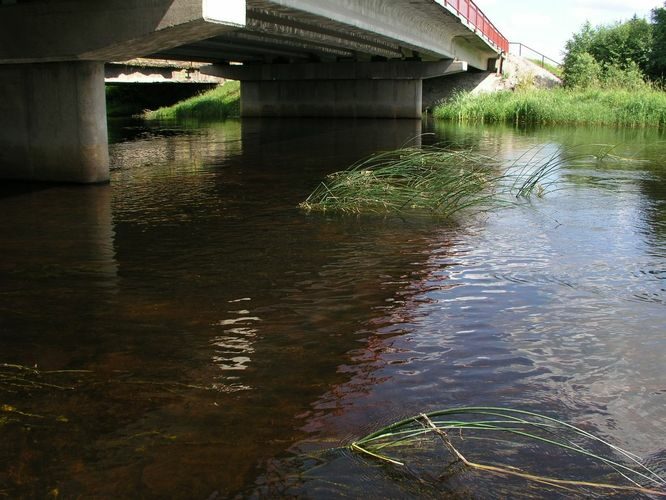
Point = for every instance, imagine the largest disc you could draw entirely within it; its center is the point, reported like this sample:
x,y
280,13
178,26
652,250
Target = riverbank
x,y
127,99
522,100
216,104
224,101
618,107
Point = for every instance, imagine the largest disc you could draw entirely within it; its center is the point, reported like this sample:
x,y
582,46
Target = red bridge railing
x,y
468,10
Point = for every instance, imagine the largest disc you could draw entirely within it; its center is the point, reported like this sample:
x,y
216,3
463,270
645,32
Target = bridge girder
x,y
238,30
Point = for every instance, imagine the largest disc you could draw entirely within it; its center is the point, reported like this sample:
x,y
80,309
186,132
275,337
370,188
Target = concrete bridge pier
x,y
387,89
53,122
52,97
332,98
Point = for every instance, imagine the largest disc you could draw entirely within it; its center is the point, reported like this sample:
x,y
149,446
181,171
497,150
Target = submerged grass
x,y
629,108
217,104
434,180
513,431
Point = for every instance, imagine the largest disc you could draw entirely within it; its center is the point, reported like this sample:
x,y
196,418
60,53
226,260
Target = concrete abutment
x,y
53,122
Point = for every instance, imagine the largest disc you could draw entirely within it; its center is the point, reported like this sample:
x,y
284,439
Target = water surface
x,y
187,331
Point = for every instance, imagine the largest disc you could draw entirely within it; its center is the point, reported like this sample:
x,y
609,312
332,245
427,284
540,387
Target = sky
x,y
547,25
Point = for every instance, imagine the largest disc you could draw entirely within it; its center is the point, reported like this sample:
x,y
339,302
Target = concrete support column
x,y
378,89
53,122
332,98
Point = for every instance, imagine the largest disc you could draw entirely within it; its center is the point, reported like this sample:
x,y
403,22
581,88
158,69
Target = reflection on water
x,y
235,345
190,333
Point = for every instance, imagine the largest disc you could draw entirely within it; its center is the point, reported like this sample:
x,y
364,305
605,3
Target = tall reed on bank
x,y
644,107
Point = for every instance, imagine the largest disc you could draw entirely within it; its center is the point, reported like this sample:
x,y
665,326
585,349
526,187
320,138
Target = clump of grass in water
x,y
430,179
511,430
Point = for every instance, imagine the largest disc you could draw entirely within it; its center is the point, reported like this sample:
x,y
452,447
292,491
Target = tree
x,y
623,43
658,63
580,42
598,56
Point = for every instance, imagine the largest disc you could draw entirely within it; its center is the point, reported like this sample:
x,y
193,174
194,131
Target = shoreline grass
x,y
216,104
616,107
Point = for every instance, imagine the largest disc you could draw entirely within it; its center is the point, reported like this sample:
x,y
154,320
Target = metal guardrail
x,y
468,10
539,55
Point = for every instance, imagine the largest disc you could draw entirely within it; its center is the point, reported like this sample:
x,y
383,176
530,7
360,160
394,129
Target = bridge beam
x,y
53,122
390,89
428,27
112,30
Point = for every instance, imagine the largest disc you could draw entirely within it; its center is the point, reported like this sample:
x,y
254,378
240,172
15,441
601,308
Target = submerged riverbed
x,y
187,331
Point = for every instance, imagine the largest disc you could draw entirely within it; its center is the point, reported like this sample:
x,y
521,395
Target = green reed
x,y
516,430
433,180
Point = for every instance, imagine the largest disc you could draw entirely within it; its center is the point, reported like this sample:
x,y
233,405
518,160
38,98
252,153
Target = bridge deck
x,y
320,30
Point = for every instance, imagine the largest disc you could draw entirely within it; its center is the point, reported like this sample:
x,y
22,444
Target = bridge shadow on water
x,y
200,310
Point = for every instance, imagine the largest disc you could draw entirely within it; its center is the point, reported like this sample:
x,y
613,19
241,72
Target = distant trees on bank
x,y
630,54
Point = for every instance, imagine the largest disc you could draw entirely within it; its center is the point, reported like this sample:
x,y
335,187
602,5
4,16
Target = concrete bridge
x,y
143,70
339,58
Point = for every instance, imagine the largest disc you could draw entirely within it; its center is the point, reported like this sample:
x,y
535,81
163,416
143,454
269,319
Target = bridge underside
x,y
345,30
348,58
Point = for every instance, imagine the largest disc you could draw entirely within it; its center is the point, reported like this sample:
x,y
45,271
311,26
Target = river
x,y
187,332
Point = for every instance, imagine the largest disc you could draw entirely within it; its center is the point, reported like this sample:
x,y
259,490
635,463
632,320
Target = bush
x,y
582,71
629,78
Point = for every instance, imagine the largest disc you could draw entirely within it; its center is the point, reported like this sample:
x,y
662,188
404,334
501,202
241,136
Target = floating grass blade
x,y
532,431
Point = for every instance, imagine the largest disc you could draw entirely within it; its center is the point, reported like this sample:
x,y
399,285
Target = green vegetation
x,y
127,99
117,101
612,76
622,46
432,180
593,106
509,437
599,55
217,104
658,54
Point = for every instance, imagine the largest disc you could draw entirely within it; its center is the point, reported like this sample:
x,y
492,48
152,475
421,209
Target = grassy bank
x,y
555,70
129,99
220,103
636,108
